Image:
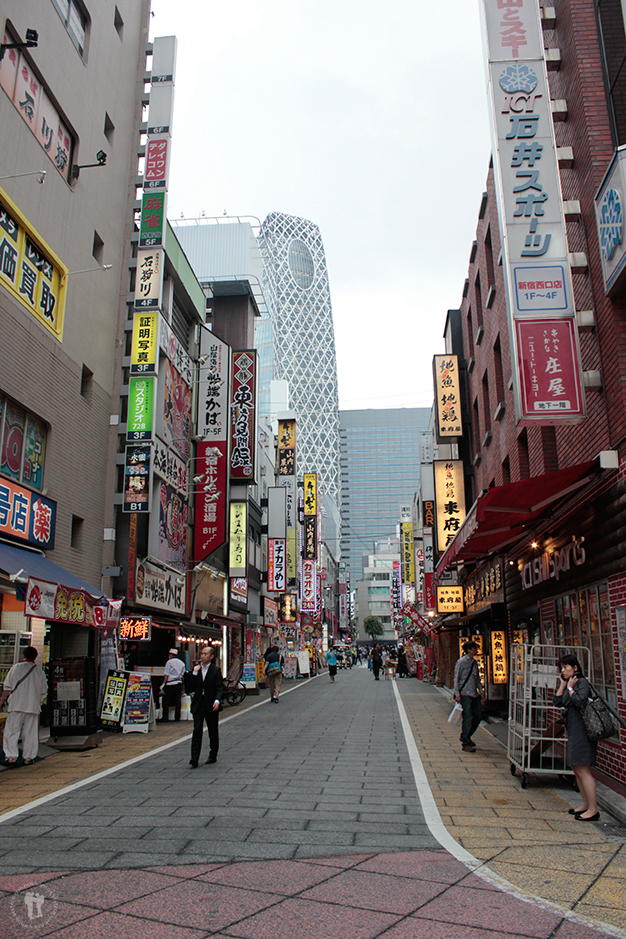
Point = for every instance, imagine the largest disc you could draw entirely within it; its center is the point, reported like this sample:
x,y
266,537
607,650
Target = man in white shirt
x,y
26,684
173,681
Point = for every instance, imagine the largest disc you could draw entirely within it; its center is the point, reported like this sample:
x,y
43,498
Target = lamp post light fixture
x,y
87,270
101,157
40,174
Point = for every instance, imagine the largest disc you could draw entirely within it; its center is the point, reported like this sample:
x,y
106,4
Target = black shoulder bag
x,y
599,718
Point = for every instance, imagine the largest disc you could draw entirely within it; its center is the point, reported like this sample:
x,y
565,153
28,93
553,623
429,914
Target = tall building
x,y
380,468
298,291
373,588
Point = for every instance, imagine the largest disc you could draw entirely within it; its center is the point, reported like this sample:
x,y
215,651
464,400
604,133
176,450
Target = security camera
x,y
32,36
101,157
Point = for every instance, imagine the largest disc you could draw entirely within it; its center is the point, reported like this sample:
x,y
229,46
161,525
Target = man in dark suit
x,y
206,686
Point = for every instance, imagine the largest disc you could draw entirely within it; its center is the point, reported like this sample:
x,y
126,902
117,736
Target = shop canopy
x,y
21,564
501,515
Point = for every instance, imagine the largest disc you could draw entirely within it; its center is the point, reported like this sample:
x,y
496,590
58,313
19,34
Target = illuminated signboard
x,y
447,397
450,599
499,669
145,343
450,500
309,548
136,628
238,545
310,494
243,416
276,563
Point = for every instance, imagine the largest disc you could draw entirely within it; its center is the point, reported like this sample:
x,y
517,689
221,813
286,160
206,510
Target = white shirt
x,y
27,698
174,669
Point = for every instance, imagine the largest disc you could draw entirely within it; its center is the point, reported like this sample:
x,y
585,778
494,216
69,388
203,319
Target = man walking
x,y
207,686
26,684
468,692
173,685
331,661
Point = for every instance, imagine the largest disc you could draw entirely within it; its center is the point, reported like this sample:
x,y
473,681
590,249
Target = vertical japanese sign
x,y
419,570
144,352
137,478
288,481
396,601
243,416
499,669
152,225
276,567
29,270
408,562
449,499
447,397
308,586
547,384
149,279
238,542
212,450
310,494
140,409
309,534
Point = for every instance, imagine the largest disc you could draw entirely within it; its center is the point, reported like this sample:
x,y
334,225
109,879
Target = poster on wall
x,y
168,540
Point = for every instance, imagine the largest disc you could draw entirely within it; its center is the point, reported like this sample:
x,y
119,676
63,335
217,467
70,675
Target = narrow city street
x,y
311,824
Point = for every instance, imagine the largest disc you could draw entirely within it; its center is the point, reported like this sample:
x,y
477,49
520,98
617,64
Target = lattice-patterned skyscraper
x,y
296,284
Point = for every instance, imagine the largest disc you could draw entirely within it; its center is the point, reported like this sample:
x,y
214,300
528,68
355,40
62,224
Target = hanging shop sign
x,y
136,628
144,353
499,670
309,548
157,163
30,270
554,562
243,409
160,588
270,612
448,424
60,604
140,409
310,494
309,584
137,478
239,589
449,499
238,555
149,278
485,586
428,513
152,223
27,516
169,467
408,562
211,453
547,374
450,600
276,564
173,349
287,608
609,204
174,409
419,571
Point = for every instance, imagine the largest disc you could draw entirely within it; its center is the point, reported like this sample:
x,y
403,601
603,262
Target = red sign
x,y
430,595
549,366
61,604
210,524
156,163
136,628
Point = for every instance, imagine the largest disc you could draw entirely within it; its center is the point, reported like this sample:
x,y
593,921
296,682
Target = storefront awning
x,y
502,515
21,564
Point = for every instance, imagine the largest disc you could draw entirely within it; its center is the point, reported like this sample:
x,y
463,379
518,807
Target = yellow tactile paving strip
x,y
526,836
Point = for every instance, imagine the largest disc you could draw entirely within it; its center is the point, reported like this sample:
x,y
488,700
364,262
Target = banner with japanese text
x,y
26,515
449,500
243,416
60,604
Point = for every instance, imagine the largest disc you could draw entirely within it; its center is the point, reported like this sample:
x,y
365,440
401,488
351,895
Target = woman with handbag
x,y
572,695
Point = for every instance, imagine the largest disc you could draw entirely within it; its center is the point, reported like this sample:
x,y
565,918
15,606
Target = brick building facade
x,y
583,605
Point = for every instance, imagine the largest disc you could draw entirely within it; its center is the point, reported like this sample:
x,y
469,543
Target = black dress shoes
x,y
589,818
212,759
193,763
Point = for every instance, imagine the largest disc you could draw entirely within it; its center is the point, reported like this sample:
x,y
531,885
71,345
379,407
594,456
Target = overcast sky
x,y
368,118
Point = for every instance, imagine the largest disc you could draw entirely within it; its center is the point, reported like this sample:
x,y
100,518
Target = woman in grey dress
x,y
572,694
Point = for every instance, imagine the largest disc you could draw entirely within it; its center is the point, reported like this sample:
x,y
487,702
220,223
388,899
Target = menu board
x,y
138,705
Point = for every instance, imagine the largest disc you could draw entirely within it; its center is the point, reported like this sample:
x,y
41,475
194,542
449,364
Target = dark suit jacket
x,y
206,692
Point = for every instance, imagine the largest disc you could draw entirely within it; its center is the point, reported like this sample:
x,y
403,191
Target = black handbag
x,y
599,718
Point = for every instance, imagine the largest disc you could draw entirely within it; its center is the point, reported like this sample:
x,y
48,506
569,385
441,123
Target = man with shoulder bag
x,y
26,684
468,692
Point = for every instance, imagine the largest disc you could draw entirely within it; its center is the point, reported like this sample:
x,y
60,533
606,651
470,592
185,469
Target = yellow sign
x,y
498,658
408,556
30,270
145,342
450,600
310,493
286,434
447,397
238,545
450,500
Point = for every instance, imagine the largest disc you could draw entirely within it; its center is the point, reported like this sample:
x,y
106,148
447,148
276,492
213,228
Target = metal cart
x,y
535,732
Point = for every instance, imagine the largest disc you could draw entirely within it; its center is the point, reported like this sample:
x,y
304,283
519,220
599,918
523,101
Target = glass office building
x,y
298,292
380,468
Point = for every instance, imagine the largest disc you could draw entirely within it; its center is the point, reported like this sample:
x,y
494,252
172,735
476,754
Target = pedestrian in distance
x,y
377,661
207,686
273,672
468,692
403,668
331,661
572,695
25,685
173,685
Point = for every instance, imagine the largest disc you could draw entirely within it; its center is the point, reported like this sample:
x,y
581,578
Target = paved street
x,y
310,823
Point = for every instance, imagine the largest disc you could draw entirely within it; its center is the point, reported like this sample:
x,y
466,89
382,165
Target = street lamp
x,y
32,39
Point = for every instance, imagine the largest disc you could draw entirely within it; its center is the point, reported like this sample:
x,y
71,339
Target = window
x,y
109,128
86,381
497,362
522,455
75,21
98,248
478,294
489,259
118,23
486,405
77,532
613,43
584,619
23,450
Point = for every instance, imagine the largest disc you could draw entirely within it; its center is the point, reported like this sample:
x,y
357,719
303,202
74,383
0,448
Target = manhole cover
x,y
613,831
